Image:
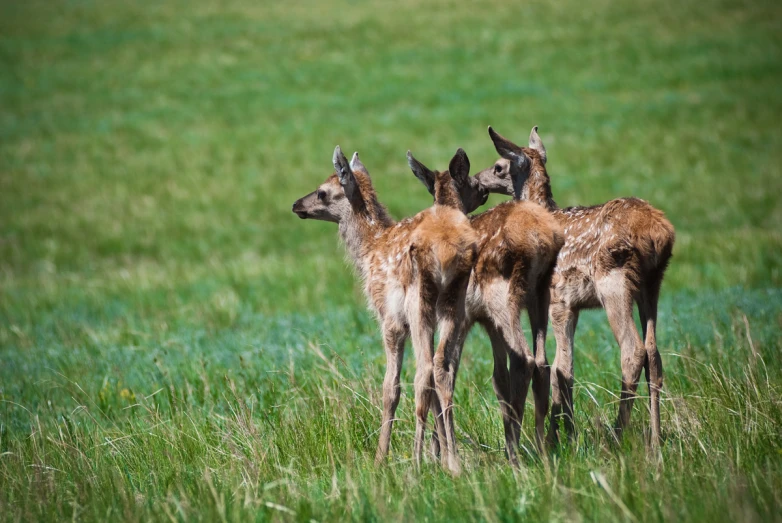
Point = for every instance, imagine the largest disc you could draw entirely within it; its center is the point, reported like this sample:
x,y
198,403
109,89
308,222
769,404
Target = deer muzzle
x,y
299,209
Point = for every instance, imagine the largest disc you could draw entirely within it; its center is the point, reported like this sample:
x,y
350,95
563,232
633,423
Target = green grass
x,y
176,344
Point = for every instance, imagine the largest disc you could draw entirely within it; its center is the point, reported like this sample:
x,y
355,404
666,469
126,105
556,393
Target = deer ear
x,y
356,165
536,143
422,172
508,149
346,178
459,168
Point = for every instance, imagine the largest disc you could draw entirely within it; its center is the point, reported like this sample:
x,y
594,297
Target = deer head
x,y
348,191
511,173
470,193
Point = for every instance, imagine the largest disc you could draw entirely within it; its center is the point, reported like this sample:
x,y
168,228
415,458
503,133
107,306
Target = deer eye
x,y
321,195
498,168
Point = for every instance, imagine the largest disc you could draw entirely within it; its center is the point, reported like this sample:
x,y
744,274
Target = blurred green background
x,y
149,156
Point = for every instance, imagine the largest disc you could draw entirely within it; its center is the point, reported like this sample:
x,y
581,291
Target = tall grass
x,y
277,417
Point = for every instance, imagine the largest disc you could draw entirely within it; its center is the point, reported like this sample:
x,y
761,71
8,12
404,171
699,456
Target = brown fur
x,y
445,193
415,276
614,254
518,244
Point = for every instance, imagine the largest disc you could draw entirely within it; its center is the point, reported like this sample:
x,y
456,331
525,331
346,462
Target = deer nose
x,y
298,208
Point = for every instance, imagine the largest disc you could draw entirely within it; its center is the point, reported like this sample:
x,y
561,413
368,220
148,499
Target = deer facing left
x,y
415,275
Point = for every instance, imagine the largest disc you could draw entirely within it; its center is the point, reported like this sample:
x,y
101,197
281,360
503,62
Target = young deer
x,y
415,276
614,254
518,243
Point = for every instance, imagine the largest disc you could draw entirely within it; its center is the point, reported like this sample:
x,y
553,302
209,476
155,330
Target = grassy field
x,y
176,344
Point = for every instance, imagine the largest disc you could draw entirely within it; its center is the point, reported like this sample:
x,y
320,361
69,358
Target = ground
x,y
176,344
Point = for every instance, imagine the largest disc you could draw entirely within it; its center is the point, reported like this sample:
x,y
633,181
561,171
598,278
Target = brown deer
x,y
415,276
614,254
518,243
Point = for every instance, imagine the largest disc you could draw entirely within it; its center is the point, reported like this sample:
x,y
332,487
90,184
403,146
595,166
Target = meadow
x,y
175,344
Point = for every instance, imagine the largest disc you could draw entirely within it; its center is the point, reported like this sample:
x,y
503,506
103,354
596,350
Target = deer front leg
x,y
522,366
647,308
394,338
537,308
615,294
564,320
438,434
501,382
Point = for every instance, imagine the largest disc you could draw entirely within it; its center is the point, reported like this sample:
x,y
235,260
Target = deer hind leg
x,y
421,320
501,382
616,294
451,322
438,434
537,309
394,338
647,309
564,320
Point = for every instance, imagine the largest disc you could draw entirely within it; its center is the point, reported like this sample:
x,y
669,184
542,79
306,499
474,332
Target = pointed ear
x,y
536,143
507,149
356,165
459,168
345,174
422,172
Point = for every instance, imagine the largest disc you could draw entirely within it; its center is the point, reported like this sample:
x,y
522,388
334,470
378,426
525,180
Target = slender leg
x,y
394,343
647,306
422,334
537,309
615,294
564,320
438,434
643,318
501,382
522,364
451,321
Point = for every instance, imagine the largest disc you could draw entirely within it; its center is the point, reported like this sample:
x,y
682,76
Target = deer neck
x,y
445,192
359,233
538,187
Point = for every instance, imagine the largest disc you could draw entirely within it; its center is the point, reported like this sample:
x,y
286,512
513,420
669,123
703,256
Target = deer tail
x,y
663,237
455,254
